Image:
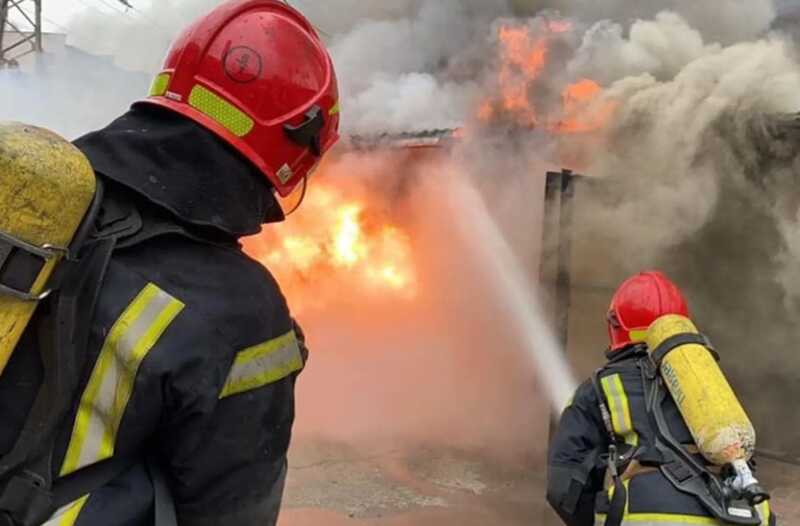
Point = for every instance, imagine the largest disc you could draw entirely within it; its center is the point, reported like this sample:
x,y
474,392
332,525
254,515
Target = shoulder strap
x,y
673,342
687,474
63,341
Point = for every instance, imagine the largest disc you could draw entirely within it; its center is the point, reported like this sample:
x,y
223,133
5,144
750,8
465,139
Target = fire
x,y
523,55
337,241
348,245
522,60
584,110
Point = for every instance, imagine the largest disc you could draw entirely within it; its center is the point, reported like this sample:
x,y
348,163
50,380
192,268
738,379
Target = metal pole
x,y
39,47
3,16
564,276
555,271
27,31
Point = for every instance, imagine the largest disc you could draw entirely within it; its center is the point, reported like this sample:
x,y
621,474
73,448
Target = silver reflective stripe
x,y
67,515
110,386
620,409
661,519
263,364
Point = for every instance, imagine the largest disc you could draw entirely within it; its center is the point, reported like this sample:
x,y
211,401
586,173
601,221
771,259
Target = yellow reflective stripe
x,y
160,85
637,336
764,512
660,519
619,408
334,109
569,403
110,386
68,515
263,364
668,519
223,112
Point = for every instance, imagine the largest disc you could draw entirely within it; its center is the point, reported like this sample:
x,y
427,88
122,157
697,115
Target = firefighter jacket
x,y
192,353
578,486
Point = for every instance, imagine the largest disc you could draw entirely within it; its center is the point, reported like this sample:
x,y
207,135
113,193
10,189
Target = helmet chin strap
x,y
302,197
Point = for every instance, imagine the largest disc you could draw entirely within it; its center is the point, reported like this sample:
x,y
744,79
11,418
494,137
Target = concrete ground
x,y
338,485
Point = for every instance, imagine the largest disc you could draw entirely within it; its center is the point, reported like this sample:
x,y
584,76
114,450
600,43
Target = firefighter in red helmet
x,y
607,464
156,385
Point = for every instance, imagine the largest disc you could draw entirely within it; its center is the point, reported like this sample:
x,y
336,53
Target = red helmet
x,y
640,301
255,73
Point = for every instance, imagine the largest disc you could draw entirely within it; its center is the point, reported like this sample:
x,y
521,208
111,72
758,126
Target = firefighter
x,y
182,410
607,463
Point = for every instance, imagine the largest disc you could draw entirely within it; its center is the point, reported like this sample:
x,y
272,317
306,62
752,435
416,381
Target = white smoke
x,y
677,70
720,21
660,47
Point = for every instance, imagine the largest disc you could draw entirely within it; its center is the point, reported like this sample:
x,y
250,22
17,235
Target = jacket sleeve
x,y
226,433
574,471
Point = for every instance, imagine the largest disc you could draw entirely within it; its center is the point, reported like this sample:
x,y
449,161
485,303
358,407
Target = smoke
x,y
690,83
723,21
699,169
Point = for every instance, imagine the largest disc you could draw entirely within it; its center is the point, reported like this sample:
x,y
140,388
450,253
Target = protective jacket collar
x,y
183,168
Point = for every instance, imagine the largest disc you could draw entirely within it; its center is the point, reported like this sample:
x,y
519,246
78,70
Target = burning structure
x,y
666,114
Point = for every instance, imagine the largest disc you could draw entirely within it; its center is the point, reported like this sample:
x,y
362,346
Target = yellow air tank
x,y
721,429
46,188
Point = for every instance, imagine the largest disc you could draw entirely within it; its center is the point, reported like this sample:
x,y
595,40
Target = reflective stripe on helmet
x,y
619,408
221,111
263,364
160,85
110,386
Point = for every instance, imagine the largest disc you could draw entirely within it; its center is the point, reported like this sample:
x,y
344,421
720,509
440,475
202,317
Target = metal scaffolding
x,y
20,30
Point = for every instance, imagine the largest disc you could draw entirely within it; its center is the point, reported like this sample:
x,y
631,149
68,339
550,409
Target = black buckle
x,y
308,133
37,257
27,500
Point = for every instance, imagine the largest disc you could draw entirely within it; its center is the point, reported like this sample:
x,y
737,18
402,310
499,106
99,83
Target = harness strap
x,y
673,342
163,503
72,487
616,510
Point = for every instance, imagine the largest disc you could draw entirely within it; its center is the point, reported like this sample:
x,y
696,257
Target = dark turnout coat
x,y
577,485
192,352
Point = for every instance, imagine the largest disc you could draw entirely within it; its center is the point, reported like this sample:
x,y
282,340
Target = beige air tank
x,y
46,188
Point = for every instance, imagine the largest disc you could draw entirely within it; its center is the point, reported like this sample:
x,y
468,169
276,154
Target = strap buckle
x,y
37,257
27,500
307,134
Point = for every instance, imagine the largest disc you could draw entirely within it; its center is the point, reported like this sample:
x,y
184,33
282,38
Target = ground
x,y
338,485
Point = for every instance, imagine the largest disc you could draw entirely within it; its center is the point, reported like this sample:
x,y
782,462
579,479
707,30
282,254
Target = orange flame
x,y
340,239
584,111
523,57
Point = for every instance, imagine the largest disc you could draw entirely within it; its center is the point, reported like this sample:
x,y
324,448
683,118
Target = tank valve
x,y
743,482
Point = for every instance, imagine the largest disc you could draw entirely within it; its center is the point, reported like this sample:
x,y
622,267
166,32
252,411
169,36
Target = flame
x,y
523,56
522,60
584,110
340,241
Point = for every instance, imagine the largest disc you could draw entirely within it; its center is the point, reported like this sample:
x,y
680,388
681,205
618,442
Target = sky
x,y
57,13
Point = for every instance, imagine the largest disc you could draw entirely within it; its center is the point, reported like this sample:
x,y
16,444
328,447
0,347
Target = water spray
x,y
488,247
